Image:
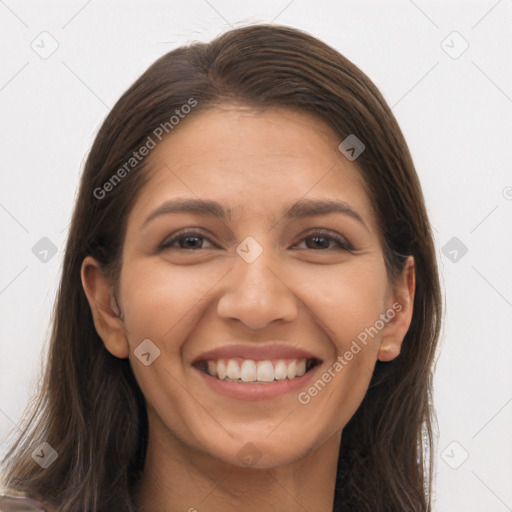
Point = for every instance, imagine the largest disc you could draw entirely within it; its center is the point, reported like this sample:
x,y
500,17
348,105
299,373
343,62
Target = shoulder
x,y
13,503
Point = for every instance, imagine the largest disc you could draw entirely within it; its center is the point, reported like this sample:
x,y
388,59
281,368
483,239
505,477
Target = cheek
x,y
159,300
349,300
162,304
348,309
353,384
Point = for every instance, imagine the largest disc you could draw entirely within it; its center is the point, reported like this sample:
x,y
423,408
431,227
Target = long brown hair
x,y
90,408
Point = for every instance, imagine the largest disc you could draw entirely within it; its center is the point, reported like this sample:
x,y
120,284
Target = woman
x,y
250,305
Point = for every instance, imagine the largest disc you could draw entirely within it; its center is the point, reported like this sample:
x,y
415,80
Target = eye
x,y
191,240
318,241
322,240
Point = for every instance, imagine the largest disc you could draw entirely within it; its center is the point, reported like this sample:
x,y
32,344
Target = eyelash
x,y
343,244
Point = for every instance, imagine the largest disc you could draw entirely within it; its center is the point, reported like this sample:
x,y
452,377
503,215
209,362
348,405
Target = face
x,y
253,252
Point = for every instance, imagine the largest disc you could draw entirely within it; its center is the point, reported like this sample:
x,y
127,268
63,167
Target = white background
x,y
456,114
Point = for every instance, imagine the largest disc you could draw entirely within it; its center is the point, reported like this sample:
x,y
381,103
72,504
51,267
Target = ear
x,y
401,304
105,312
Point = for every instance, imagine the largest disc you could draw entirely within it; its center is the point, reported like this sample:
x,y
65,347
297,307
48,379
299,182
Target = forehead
x,y
253,162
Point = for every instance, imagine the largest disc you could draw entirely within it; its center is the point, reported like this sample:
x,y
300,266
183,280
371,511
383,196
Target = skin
x,y
187,301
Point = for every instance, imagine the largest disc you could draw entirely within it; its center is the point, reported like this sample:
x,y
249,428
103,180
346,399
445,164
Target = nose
x,y
257,293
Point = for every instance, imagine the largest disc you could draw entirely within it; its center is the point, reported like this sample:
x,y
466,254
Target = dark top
x,y
9,503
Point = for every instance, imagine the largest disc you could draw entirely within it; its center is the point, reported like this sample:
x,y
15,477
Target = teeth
x,y
221,370
301,368
233,370
248,371
265,371
291,370
280,370
261,371
212,368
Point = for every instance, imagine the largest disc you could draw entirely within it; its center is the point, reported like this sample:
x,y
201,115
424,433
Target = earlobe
x,y
104,308
403,305
389,351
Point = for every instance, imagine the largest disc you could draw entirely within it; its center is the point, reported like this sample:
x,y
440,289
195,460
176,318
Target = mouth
x,y
252,371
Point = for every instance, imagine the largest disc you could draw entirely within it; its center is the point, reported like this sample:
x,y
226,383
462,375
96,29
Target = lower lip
x,y
252,391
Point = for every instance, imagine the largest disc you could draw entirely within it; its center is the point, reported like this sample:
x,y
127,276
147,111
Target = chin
x,y
260,453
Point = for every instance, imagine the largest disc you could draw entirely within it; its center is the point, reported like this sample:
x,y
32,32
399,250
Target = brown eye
x,y
323,241
191,240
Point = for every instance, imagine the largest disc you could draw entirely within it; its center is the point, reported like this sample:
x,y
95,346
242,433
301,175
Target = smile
x,y
257,371
242,370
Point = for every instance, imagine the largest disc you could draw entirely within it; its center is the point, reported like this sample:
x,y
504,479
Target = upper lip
x,y
256,352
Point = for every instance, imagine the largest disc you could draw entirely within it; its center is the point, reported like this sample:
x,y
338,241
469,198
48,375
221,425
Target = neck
x,y
177,479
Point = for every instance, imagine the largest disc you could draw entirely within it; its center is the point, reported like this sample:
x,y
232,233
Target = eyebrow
x,y
298,210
